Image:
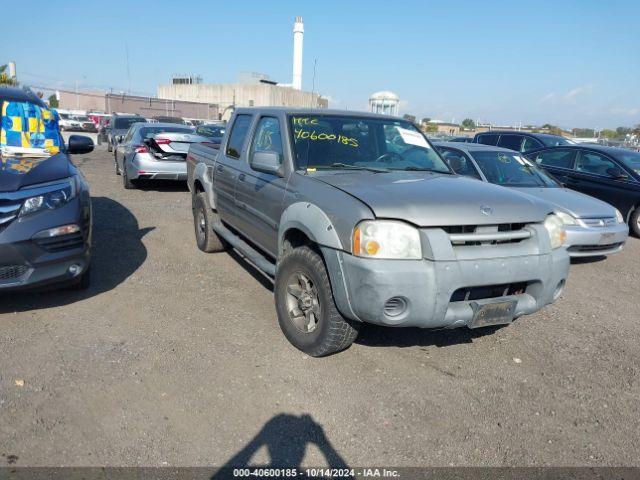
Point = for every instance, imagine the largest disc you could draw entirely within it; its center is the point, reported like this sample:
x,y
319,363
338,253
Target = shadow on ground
x,y
286,438
377,336
118,251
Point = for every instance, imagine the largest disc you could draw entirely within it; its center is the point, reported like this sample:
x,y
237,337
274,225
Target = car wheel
x,y
109,147
115,163
634,222
307,312
203,219
126,182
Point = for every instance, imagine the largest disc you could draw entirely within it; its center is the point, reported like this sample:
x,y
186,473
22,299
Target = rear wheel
x,y
634,222
115,163
203,220
128,184
307,312
109,146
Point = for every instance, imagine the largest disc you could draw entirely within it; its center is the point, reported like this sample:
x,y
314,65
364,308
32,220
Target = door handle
x,y
241,177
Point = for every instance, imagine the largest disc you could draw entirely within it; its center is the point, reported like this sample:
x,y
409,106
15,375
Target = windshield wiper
x,y
347,166
420,169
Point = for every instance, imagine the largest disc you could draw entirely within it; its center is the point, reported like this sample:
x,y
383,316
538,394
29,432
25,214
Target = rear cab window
x,y
238,136
556,158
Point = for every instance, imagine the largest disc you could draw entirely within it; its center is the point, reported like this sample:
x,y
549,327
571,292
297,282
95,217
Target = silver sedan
x,y
154,151
593,227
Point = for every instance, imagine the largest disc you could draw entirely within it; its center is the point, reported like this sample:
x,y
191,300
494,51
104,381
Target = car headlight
x,y
49,200
566,218
619,217
555,228
386,239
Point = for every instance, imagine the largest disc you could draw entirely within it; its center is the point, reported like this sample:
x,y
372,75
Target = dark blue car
x,y
45,207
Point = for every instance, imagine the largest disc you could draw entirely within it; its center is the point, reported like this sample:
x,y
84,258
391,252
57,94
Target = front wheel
x,y
307,312
634,222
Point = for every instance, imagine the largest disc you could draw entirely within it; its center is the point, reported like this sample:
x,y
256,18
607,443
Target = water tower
x,y
384,102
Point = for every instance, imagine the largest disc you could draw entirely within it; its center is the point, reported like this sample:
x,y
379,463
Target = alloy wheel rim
x,y
303,303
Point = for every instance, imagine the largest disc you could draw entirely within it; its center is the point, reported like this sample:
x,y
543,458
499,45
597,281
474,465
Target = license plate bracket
x,y
493,311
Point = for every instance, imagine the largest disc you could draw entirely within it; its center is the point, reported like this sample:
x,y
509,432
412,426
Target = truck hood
x,y
15,175
574,203
428,200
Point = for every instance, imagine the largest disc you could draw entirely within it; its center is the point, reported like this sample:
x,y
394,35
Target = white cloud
x,y
549,96
577,91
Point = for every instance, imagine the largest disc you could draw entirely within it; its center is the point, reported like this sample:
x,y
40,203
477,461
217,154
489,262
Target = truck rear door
x,y
228,168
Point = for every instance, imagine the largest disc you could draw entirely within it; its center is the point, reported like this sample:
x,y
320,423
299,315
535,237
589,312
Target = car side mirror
x,y
267,162
119,138
615,172
79,144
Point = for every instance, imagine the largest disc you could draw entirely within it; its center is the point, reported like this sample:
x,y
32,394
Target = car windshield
x,y
210,130
554,140
125,123
511,170
148,132
28,133
630,159
346,142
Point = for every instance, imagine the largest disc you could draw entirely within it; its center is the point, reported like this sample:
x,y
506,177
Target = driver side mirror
x,y
616,173
79,144
119,138
267,162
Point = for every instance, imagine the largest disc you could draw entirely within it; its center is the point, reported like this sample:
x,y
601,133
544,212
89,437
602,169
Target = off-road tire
x,y
203,219
333,332
634,222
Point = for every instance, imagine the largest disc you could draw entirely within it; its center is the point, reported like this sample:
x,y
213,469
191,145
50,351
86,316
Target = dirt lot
x,y
174,357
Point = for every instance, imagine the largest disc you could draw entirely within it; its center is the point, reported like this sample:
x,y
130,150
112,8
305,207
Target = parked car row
x,y
608,173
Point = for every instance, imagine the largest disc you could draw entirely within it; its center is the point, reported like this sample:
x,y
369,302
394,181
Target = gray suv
x,y
359,220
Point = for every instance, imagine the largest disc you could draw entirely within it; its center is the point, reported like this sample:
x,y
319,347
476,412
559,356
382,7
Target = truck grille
x,y
488,291
471,235
63,242
11,272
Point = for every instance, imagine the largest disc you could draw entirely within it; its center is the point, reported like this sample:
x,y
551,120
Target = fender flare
x,y
311,220
200,173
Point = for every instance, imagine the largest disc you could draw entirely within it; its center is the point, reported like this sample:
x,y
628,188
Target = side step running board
x,y
245,249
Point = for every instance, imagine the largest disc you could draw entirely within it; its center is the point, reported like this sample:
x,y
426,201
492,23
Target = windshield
x,y
148,132
630,159
511,170
125,123
28,135
210,130
344,142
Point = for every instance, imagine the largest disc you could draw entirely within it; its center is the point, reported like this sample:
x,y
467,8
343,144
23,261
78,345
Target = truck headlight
x,y
619,217
566,218
386,239
49,200
555,228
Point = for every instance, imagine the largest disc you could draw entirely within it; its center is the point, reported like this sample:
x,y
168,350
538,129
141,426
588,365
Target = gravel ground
x,y
174,357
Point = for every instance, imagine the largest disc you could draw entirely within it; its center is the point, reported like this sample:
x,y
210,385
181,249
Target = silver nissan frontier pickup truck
x,y
359,220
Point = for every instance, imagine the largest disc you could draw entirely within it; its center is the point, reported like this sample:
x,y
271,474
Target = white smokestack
x,y
298,34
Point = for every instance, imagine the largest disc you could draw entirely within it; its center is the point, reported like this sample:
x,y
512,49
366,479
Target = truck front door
x,y
259,195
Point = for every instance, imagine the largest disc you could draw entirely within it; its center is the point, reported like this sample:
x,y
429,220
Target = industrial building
x,y
252,89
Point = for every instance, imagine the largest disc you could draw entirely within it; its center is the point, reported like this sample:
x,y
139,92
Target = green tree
x,y
411,118
622,131
468,124
608,133
553,129
426,120
583,132
53,101
430,127
4,77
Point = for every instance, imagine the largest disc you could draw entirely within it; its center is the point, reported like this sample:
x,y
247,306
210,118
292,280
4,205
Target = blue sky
x,y
568,62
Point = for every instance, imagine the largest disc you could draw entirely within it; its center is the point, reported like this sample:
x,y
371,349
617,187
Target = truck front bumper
x,y
439,294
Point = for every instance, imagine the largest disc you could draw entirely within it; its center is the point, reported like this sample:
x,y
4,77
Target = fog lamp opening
x,y
74,270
